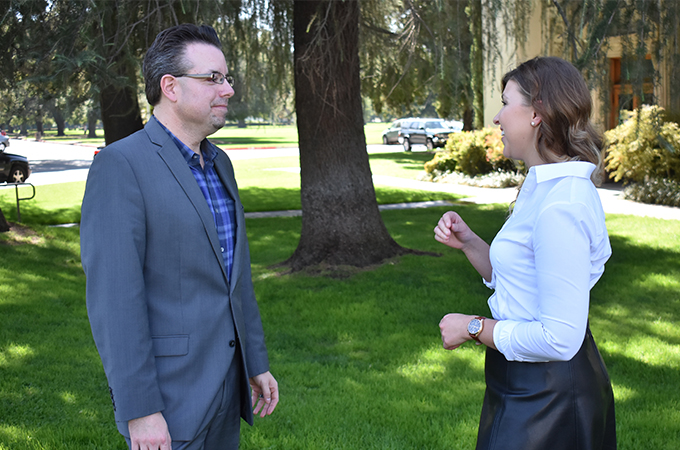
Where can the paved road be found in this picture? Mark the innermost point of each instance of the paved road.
(60, 163)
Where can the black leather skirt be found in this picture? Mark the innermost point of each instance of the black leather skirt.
(558, 405)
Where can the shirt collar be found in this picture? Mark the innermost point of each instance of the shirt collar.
(208, 152)
(547, 172)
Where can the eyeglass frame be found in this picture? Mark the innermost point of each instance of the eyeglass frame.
(209, 76)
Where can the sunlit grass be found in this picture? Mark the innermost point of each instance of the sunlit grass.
(358, 359)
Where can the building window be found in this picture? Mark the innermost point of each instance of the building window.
(622, 95)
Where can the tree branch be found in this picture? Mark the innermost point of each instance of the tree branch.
(572, 37)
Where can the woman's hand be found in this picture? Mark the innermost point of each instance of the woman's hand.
(451, 230)
(454, 332)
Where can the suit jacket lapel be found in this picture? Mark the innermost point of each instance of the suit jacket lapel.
(178, 166)
(226, 173)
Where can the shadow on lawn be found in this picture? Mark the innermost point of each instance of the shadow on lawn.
(52, 388)
(378, 340)
(38, 216)
(407, 160)
(637, 289)
(352, 356)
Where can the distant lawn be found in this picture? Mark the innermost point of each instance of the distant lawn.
(358, 359)
(229, 136)
(264, 185)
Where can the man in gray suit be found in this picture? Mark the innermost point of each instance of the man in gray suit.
(163, 244)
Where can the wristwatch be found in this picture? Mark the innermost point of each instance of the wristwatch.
(475, 327)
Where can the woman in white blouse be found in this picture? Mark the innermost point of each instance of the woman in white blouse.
(547, 386)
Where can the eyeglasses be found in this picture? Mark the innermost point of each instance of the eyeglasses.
(215, 77)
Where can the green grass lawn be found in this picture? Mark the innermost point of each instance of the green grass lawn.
(358, 359)
(265, 185)
(230, 136)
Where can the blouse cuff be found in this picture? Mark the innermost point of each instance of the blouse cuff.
(490, 284)
(501, 338)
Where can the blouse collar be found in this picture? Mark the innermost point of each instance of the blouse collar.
(547, 172)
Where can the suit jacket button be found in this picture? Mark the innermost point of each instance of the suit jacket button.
(232, 343)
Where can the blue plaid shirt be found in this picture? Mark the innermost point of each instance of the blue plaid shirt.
(222, 206)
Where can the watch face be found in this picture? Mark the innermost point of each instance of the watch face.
(475, 326)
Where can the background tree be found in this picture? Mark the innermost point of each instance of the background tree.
(422, 57)
(341, 223)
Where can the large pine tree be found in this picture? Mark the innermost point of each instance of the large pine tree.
(341, 223)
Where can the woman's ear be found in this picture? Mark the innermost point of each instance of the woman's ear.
(535, 120)
(169, 86)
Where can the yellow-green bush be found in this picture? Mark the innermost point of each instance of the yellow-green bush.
(472, 153)
(644, 146)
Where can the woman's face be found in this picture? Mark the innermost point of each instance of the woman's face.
(515, 119)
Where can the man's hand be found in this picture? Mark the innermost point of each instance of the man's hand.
(149, 433)
(265, 393)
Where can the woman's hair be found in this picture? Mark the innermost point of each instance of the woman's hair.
(556, 90)
(166, 55)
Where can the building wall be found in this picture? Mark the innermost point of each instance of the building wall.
(544, 31)
(511, 56)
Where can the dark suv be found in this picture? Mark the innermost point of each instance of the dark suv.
(429, 132)
(13, 168)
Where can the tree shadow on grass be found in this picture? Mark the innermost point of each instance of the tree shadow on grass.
(352, 356)
(52, 390)
(363, 353)
(407, 160)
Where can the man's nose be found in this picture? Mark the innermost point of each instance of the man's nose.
(227, 90)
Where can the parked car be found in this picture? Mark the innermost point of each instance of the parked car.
(13, 168)
(391, 135)
(429, 132)
(4, 140)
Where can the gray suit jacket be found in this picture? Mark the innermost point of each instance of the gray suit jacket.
(166, 319)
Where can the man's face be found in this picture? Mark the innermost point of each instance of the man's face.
(201, 103)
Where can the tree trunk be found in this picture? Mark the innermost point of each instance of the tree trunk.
(341, 223)
(92, 117)
(477, 63)
(120, 113)
(59, 120)
(4, 225)
(39, 131)
(468, 116)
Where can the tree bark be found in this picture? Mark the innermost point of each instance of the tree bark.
(4, 225)
(120, 113)
(341, 223)
(477, 63)
(59, 120)
(92, 117)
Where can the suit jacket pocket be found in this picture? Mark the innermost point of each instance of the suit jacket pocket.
(176, 345)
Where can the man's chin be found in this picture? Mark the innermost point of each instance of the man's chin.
(218, 123)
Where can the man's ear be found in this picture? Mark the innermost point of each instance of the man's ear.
(169, 86)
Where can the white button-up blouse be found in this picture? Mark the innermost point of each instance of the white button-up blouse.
(545, 259)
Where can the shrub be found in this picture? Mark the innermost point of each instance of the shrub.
(442, 162)
(644, 147)
(655, 191)
(472, 153)
(494, 151)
